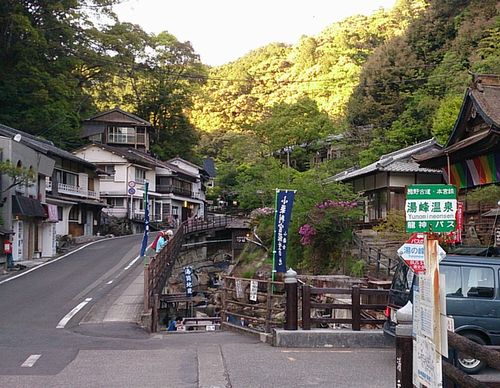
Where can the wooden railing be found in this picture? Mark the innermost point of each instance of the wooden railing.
(156, 273)
(238, 309)
(488, 354)
(357, 308)
(159, 267)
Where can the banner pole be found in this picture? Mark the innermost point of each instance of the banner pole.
(273, 270)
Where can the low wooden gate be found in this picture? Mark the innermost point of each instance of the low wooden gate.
(261, 315)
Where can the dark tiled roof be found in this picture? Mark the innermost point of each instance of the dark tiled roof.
(209, 167)
(397, 161)
(41, 145)
(140, 157)
(133, 118)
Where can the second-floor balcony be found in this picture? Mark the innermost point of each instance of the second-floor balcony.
(63, 188)
(169, 189)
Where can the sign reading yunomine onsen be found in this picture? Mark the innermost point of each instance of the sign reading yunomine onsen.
(431, 208)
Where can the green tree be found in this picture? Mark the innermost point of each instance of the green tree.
(42, 45)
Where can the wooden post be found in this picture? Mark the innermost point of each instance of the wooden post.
(154, 314)
(356, 310)
(291, 300)
(269, 306)
(223, 301)
(146, 288)
(306, 307)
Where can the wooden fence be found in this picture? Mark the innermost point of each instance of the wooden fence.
(260, 315)
(488, 354)
(357, 308)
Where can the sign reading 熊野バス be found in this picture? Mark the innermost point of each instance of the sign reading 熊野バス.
(431, 208)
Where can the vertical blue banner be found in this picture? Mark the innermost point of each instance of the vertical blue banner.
(146, 220)
(282, 215)
(188, 280)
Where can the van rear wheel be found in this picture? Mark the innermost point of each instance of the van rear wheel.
(467, 363)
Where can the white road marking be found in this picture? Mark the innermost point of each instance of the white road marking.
(63, 322)
(55, 260)
(132, 262)
(30, 361)
(109, 282)
(137, 258)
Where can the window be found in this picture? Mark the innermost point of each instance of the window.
(140, 175)
(74, 213)
(121, 135)
(453, 280)
(478, 282)
(66, 178)
(109, 170)
(403, 278)
(115, 202)
(60, 213)
(96, 138)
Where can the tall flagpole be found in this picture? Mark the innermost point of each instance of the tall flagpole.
(273, 271)
(144, 244)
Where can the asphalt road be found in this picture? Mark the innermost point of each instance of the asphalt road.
(35, 309)
(43, 345)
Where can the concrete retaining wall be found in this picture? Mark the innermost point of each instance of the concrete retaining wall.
(328, 338)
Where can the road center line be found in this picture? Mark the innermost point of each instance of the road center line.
(30, 361)
(63, 322)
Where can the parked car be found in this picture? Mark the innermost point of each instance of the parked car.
(472, 285)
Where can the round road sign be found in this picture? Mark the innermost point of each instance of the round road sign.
(131, 184)
(131, 191)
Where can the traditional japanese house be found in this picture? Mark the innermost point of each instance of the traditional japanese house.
(382, 184)
(471, 156)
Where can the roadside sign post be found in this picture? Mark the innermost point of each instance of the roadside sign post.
(429, 209)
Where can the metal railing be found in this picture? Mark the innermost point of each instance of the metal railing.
(64, 188)
(382, 261)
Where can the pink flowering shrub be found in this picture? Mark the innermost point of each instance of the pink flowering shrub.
(307, 232)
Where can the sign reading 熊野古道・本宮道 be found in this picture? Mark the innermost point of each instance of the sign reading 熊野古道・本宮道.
(431, 208)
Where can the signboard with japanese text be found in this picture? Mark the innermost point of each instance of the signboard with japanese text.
(412, 252)
(239, 289)
(188, 280)
(253, 290)
(431, 208)
(283, 213)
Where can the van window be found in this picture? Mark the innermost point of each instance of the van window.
(478, 282)
(403, 278)
(453, 280)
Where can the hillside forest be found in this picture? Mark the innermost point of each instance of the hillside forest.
(371, 84)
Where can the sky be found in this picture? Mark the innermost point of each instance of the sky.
(222, 31)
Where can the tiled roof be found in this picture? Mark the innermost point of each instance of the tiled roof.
(397, 161)
(133, 118)
(42, 145)
(140, 157)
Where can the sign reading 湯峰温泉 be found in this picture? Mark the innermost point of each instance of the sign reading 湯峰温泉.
(431, 208)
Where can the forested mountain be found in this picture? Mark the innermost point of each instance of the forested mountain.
(384, 81)
(400, 72)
